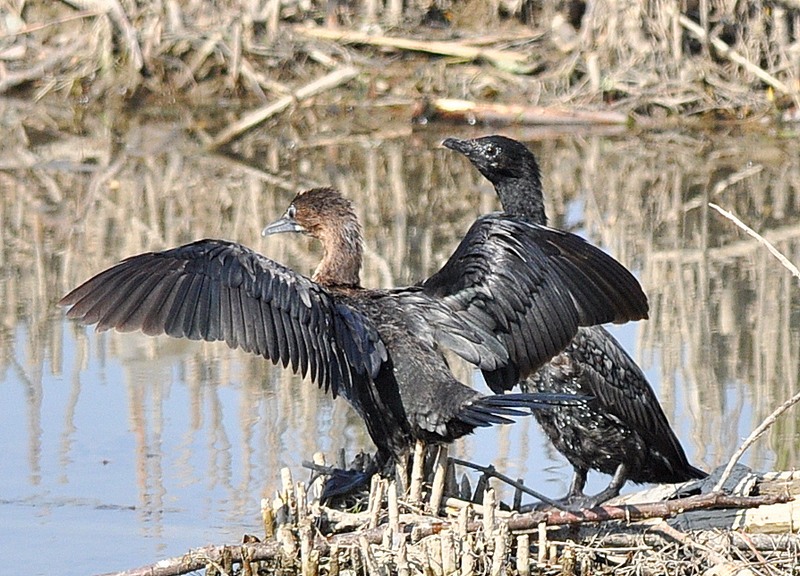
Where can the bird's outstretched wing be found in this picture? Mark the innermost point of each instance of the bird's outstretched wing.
(532, 287)
(217, 290)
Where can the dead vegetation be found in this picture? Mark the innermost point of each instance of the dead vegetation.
(645, 61)
(746, 533)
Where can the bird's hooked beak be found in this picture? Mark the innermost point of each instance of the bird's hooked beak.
(463, 146)
(284, 224)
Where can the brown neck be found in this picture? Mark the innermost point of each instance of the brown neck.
(341, 262)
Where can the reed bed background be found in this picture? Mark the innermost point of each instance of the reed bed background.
(650, 60)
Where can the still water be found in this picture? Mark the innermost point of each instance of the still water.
(119, 449)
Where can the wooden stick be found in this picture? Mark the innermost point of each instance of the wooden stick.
(515, 62)
(754, 435)
(256, 117)
(516, 484)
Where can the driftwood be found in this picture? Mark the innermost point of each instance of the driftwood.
(469, 112)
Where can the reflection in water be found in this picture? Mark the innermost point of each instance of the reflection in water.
(194, 433)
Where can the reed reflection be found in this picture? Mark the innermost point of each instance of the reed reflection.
(724, 334)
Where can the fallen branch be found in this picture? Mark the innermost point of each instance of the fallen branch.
(515, 62)
(251, 119)
(632, 513)
(469, 112)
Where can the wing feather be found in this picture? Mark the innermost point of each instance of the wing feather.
(532, 287)
(217, 290)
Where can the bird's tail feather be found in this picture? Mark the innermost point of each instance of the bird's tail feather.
(497, 409)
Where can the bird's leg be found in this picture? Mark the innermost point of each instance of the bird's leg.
(577, 485)
(617, 482)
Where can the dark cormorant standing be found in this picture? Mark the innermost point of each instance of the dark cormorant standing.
(527, 289)
(623, 431)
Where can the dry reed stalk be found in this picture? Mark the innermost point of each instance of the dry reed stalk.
(734, 56)
(515, 62)
(417, 473)
(439, 476)
(765, 425)
(255, 117)
(766, 243)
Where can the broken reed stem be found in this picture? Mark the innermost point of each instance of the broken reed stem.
(754, 435)
(523, 555)
(732, 55)
(417, 473)
(489, 503)
(256, 117)
(516, 62)
(375, 500)
(774, 251)
(439, 477)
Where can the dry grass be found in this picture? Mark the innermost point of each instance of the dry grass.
(651, 60)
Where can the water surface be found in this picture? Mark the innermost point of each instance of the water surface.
(120, 449)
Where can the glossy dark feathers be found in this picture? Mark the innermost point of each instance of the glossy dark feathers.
(532, 287)
(217, 290)
(623, 430)
(521, 290)
(623, 423)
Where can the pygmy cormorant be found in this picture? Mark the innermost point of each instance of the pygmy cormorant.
(622, 431)
(522, 292)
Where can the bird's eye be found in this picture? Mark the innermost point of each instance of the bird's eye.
(291, 211)
(492, 152)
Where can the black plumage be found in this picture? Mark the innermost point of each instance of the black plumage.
(380, 349)
(623, 430)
